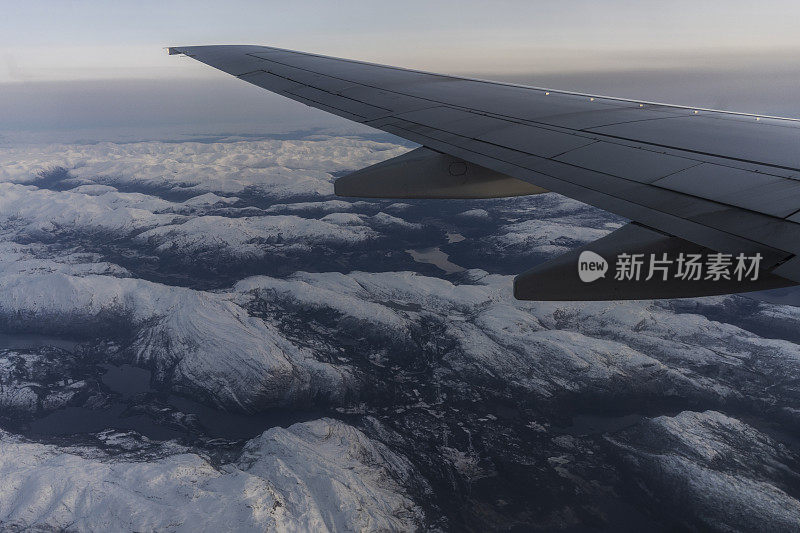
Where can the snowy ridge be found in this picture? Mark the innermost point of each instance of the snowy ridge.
(545, 237)
(201, 343)
(321, 475)
(711, 463)
(252, 237)
(28, 212)
(24, 209)
(545, 348)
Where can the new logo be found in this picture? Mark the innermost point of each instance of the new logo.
(591, 266)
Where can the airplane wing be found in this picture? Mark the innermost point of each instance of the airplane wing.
(694, 182)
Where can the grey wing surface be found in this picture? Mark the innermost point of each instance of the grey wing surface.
(689, 179)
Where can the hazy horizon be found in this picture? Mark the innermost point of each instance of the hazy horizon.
(88, 70)
(158, 109)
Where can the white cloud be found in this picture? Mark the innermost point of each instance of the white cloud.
(281, 169)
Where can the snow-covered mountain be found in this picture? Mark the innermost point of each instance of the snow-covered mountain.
(720, 469)
(322, 475)
(200, 334)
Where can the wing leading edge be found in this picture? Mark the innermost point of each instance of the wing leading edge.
(718, 182)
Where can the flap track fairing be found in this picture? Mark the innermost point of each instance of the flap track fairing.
(425, 173)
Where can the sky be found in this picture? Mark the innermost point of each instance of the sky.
(74, 64)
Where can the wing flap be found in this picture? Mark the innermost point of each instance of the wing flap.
(755, 191)
(736, 137)
(629, 162)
